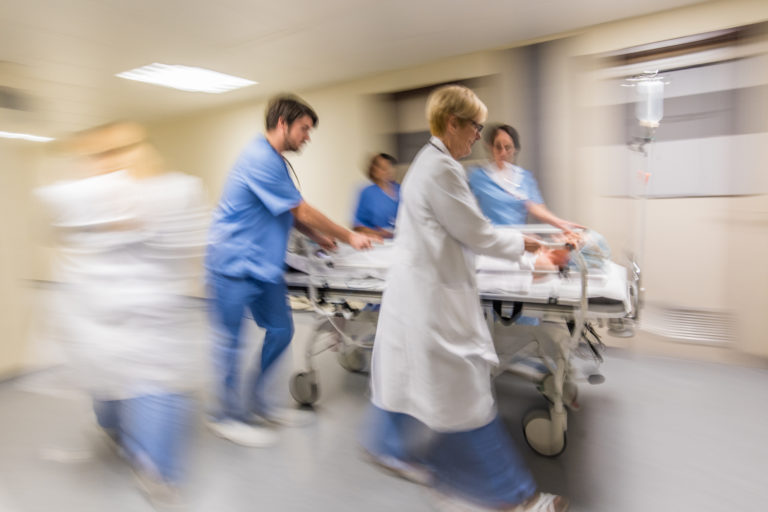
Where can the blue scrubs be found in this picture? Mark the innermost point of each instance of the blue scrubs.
(244, 262)
(153, 430)
(376, 209)
(504, 205)
(480, 465)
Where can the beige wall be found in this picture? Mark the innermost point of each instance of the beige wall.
(18, 253)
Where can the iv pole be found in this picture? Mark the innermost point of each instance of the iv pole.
(649, 110)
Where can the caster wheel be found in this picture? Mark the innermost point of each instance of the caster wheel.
(304, 388)
(353, 359)
(596, 378)
(537, 427)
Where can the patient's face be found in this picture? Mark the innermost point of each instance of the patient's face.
(560, 257)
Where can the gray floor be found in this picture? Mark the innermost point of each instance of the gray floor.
(658, 435)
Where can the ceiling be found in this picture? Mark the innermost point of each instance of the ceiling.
(58, 58)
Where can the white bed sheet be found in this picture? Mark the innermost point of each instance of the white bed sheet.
(366, 270)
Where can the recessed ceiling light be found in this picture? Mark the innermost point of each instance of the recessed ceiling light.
(186, 78)
(25, 136)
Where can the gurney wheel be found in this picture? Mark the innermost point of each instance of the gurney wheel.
(541, 436)
(353, 359)
(304, 388)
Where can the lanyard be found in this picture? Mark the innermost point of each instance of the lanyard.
(513, 186)
(292, 170)
(436, 147)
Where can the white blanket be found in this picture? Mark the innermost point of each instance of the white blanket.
(366, 270)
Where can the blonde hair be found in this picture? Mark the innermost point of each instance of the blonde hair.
(105, 138)
(454, 100)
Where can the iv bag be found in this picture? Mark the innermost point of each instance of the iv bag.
(649, 108)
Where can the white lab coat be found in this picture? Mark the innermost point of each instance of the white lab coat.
(433, 352)
(129, 257)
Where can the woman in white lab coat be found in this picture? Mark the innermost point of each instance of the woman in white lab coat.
(434, 418)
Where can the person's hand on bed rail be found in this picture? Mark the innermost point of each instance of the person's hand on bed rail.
(360, 241)
(326, 242)
(574, 239)
(569, 240)
(570, 228)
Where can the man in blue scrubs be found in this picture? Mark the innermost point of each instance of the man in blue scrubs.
(245, 261)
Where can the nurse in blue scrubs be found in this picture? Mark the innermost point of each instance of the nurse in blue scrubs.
(507, 193)
(377, 206)
(245, 261)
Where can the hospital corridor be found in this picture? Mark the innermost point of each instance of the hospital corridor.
(373, 256)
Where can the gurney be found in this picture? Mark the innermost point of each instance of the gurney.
(538, 320)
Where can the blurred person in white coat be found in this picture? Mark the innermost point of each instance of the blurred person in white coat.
(130, 239)
(434, 418)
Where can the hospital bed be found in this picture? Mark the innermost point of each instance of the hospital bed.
(559, 311)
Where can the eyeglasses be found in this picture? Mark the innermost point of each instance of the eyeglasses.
(478, 126)
(503, 147)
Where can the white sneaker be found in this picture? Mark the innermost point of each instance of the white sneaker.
(445, 503)
(252, 436)
(541, 502)
(288, 417)
(411, 472)
(162, 495)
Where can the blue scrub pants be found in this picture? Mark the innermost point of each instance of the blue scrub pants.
(479, 465)
(268, 303)
(154, 431)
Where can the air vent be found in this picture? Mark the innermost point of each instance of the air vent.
(13, 99)
(706, 327)
(14, 94)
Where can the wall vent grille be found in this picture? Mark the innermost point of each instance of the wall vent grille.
(708, 327)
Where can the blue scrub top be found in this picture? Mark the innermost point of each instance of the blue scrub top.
(375, 209)
(501, 206)
(251, 224)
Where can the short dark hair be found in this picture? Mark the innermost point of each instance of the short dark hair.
(290, 108)
(375, 157)
(493, 131)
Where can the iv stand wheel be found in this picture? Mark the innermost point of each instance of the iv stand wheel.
(304, 388)
(542, 435)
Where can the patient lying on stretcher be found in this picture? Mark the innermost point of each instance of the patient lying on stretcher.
(556, 255)
(590, 244)
(308, 258)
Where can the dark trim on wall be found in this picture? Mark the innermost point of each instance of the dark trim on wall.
(684, 45)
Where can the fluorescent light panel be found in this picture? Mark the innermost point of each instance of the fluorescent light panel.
(186, 78)
(25, 136)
